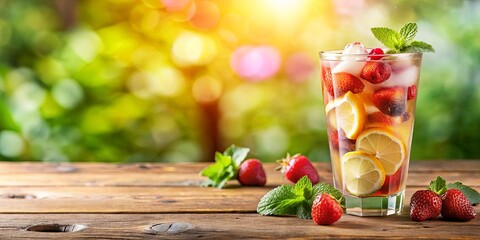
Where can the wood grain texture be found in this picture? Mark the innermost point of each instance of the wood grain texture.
(121, 201)
(158, 175)
(234, 226)
(135, 199)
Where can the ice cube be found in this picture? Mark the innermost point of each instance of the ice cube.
(353, 67)
(356, 64)
(355, 48)
(405, 78)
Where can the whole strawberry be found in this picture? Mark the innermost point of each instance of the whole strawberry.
(251, 173)
(424, 205)
(326, 210)
(298, 166)
(455, 206)
(376, 54)
(391, 101)
(376, 72)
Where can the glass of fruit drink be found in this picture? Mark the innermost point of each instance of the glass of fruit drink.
(369, 100)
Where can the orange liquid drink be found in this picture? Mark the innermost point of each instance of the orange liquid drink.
(369, 104)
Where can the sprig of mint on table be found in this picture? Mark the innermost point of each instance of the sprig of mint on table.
(440, 186)
(403, 41)
(225, 167)
(296, 200)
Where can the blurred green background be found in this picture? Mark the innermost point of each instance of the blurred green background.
(177, 80)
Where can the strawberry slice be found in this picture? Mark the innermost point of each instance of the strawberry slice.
(411, 92)
(346, 82)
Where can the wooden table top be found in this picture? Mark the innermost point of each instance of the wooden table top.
(137, 201)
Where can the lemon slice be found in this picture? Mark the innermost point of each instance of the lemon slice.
(385, 146)
(349, 113)
(363, 174)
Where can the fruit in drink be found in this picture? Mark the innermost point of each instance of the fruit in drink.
(363, 173)
(392, 183)
(343, 82)
(391, 101)
(350, 114)
(376, 72)
(375, 53)
(385, 146)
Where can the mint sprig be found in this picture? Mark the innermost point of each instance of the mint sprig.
(402, 41)
(225, 167)
(440, 186)
(295, 200)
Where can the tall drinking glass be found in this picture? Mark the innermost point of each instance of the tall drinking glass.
(370, 110)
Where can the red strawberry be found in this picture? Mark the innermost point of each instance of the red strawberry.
(391, 101)
(344, 82)
(327, 79)
(424, 205)
(392, 183)
(251, 173)
(338, 140)
(333, 137)
(411, 92)
(326, 210)
(379, 117)
(376, 72)
(376, 51)
(455, 206)
(405, 117)
(298, 166)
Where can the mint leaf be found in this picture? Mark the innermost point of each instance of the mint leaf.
(387, 36)
(238, 154)
(322, 187)
(289, 200)
(438, 186)
(225, 167)
(281, 200)
(408, 31)
(403, 41)
(295, 200)
(303, 188)
(472, 194)
(419, 46)
(304, 210)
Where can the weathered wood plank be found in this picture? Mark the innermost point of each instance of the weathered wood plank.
(151, 179)
(34, 174)
(228, 226)
(40, 167)
(135, 199)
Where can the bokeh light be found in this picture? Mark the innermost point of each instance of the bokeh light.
(11, 144)
(191, 49)
(177, 80)
(299, 67)
(206, 15)
(207, 89)
(255, 63)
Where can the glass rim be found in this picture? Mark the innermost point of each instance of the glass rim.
(337, 55)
